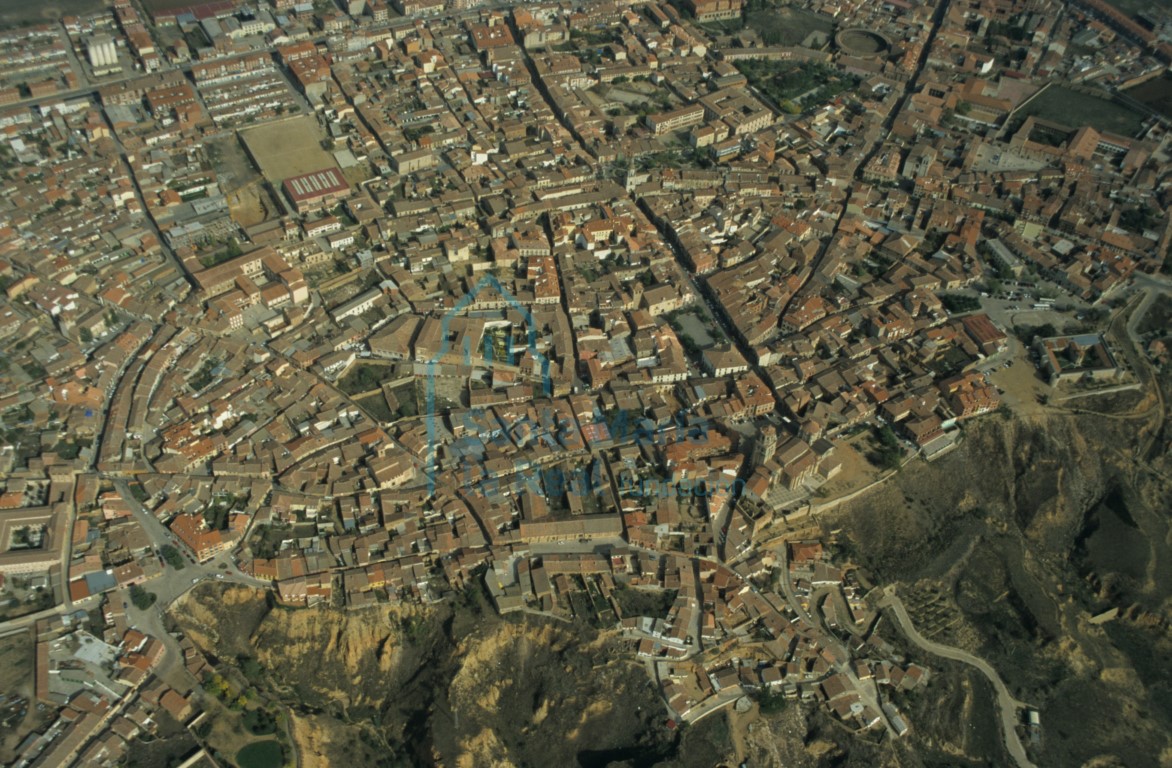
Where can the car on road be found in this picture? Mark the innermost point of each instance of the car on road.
(219, 575)
(195, 581)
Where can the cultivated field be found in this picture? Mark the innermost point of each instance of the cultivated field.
(287, 148)
(248, 200)
(16, 665)
(231, 163)
(166, 5)
(1157, 94)
(1158, 318)
(1074, 109)
(1133, 7)
(16, 13)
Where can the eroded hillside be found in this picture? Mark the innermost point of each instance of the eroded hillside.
(1011, 545)
(441, 685)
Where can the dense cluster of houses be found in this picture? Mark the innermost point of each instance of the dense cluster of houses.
(558, 302)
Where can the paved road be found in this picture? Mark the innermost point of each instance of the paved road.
(170, 586)
(1129, 345)
(78, 69)
(712, 704)
(173, 582)
(1008, 704)
(579, 547)
(1152, 288)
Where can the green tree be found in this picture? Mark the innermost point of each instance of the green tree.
(771, 703)
(173, 557)
(141, 598)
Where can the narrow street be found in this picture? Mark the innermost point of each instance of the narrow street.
(174, 583)
(867, 694)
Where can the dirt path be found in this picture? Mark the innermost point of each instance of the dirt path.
(738, 728)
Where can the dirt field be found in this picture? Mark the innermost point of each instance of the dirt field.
(856, 470)
(231, 163)
(356, 174)
(287, 148)
(16, 665)
(788, 26)
(16, 679)
(251, 205)
(1023, 388)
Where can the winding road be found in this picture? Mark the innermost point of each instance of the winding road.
(1008, 704)
(869, 695)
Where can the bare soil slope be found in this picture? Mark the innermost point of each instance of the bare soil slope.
(1009, 546)
(450, 685)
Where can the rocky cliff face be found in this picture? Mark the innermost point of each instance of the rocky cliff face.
(445, 685)
(332, 655)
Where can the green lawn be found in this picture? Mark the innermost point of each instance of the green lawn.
(376, 406)
(1156, 94)
(19, 13)
(364, 377)
(787, 26)
(1133, 7)
(786, 81)
(260, 754)
(1074, 110)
